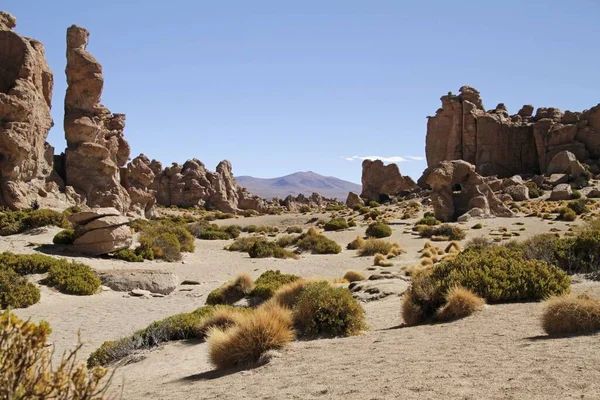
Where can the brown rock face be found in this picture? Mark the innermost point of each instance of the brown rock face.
(191, 185)
(381, 181)
(504, 145)
(26, 83)
(100, 231)
(138, 178)
(96, 148)
(456, 189)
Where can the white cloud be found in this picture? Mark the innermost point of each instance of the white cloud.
(392, 159)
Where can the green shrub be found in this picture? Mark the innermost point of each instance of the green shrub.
(128, 255)
(232, 291)
(335, 207)
(287, 240)
(73, 278)
(13, 222)
(167, 247)
(264, 249)
(373, 214)
(567, 214)
(498, 274)
(176, 327)
(66, 236)
(214, 235)
(375, 246)
(317, 244)
(145, 253)
(244, 244)
(232, 230)
(446, 230)
(576, 194)
(429, 220)
(379, 230)
(478, 225)
(580, 253)
(268, 283)
(26, 264)
(374, 204)
(578, 206)
(534, 191)
(150, 234)
(322, 309)
(16, 291)
(336, 224)
(294, 229)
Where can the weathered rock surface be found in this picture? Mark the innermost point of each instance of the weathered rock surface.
(127, 280)
(100, 231)
(561, 192)
(457, 188)
(369, 290)
(354, 200)
(26, 83)
(501, 144)
(518, 192)
(565, 162)
(380, 182)
(138, 179)
(96, 147)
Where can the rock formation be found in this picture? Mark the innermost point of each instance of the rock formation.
(379, 181)
(100, 231)
(138, 176)
(501, 144)
(189, 185)
(353, 200)
(96, 148)
(26, 83)
(457, 191)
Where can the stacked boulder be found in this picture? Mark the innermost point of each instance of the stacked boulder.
(100, 231)
(380, 182)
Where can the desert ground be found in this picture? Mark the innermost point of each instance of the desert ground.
(499, 353)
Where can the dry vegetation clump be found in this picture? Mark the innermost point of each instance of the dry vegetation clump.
(322, 309)
(316, 243)
(222, 318)
(379, 230)
(571, 315)
(356, 244)
(460, 303)
(381, 261)
(453, 247)
(353, 276)
(294, 229)
(26, 370)
(269, 282)
(286, 295)
(267, 328)
(497, 274)
(336, 224)
(166, 239)
(13, 222)
(243, 244)
(231, 292)
(264, 249)
(441, 231)
(374, 246)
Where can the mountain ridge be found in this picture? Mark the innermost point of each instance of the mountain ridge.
(305, 182)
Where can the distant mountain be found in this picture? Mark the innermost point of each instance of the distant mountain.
(299, 182)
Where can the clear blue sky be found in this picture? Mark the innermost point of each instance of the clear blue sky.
(279, 86)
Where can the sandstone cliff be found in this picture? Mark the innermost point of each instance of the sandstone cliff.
(498, 143)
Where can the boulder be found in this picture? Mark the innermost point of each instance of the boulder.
(512, 181)
(103, 241)
(518, 192)
(556, 179)
(565, 162)
(127, 280)
(390, 285)
(354, 200)
(561, 192)
(84, 217)
(380, 182)
(457, 188)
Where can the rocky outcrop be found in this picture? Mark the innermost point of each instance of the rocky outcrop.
(314, 201)
(565, 162)
(562, 191)
(26, 82)
(353, 200)
(458, 190)
(126, 280)
(380, 182)
(96, 147)
(100, 231)
(138, 177)
(498, 143)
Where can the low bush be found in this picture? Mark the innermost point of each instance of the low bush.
(13, 222)
(73, 278)
(317, 243)
(429, 220)
(167, 240)
(232, 291)
(214, 235)
(382, 261)
(374, 246)
(534, 190)
(497, 274)
(356, 243)
(294, 229)
(336, 224)
(478, 225)
(374, 204)
(16, 291)
(128, 255)
(567, 214)
(166, 246)
(66, 236)
(260, 229)
(353, 276)
(571, 315)
(244, 244)
(287, 294)
(27, 371)
(286, 240)
(222, 318)
(264, 249)
(269, 282)
(579, 206)
(205, 231)
(444, 230)
(175, 327)
(460, 303)
(267, 328)
(379, 230)
(322, 309)
(576, 194)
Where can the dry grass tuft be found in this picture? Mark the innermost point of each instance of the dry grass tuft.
(353, 276)
(267, 328)
(222, 318)
(426, 254)
(356, 244)
(412, 312)
(571, 314)
(381, 261)
(453, 247)
(460, 303)
(286, 295)
(232, 291)
(426, 261)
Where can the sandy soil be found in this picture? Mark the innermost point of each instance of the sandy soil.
(499, 353)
